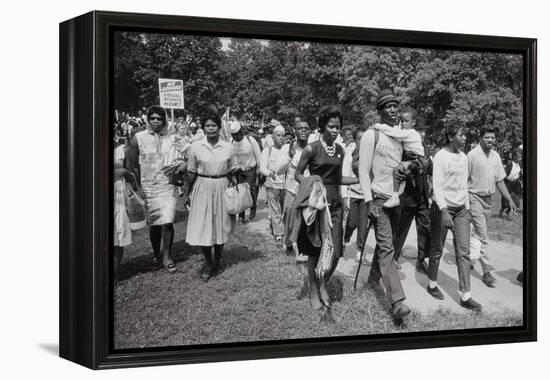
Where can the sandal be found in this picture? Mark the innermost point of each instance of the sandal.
(171, 268)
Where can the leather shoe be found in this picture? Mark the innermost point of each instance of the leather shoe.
(435, 293)
(489, 280)
(399, 310)
(421, 266)
(519, 278)
(471, 304)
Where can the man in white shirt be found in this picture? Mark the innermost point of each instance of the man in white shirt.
(378, 158)
(486, 175)
(245, 156)
(294, 149)
(273, 164)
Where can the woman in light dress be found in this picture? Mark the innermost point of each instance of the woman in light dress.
(148, 154)
(122, 233)
(209, 225)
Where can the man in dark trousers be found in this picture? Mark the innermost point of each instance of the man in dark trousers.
(377, 158)
(415, 201)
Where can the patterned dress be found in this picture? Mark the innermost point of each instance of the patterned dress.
(122, 233)
(159, 194)
(209, 223)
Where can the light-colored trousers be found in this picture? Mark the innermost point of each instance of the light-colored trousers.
(480, 211)
(275, 200)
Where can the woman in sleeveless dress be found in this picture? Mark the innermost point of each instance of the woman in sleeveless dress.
(324, 158)
(148, 152)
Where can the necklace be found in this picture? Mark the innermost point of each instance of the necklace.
(331, 150)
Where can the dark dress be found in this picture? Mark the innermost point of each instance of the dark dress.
(330, 170)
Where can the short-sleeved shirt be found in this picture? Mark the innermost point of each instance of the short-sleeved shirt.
(242, 154)
(484, 171)
(209, 160)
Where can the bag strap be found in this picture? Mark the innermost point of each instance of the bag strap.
(376, 139)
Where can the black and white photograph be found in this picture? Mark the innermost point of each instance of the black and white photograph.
(277, 190)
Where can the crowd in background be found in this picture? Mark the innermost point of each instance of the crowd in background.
(324, 180)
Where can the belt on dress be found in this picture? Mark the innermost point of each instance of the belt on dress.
(212, 176)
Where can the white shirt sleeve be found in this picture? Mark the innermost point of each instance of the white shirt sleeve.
(366, 155)
(439, 179)
(263, 162)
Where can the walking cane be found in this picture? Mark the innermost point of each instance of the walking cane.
(369, 224)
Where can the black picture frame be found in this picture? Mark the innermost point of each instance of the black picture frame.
(85, 189)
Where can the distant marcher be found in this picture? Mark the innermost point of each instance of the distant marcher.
(246, 157)
(377, 159)
(209, 225)
(415, 199)
(357, 218)
(147, 153)
(348, 143)
(267, 139)
(197, 133)
(450, 211)
(295, 150)
(486, 174)
(323, 158)
(273, 165)
(122, 233)
(514, 183)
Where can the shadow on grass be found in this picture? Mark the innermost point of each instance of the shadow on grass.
(511, 275)
(181, 251)
(236, 254)
(335, 288)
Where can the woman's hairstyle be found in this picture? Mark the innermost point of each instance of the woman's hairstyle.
(159, 111)
(211, 116)
(487, 128)
(451, 131)
(326, 114)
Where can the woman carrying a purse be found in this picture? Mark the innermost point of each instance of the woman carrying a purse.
(324, 158)
(209, 225)
(148, 151)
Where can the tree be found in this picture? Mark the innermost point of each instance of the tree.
(194, 59)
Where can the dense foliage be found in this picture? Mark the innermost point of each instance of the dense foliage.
(260, 80)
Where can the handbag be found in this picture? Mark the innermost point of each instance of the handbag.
(177, 178)
(237, 198)
(326, 257)
(137, 212)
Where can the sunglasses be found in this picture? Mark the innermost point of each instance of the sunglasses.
(156, 118)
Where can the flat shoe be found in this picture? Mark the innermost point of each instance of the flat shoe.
(171, 268)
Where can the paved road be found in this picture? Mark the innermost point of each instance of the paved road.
(507, 295)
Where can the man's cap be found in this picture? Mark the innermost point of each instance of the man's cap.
(275, 123)
(384, 97)
(234, 127)
(279, 128)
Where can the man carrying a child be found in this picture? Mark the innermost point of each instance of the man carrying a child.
(414, 201)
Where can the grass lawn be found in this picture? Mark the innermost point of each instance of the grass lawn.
(260, 295)
(508, 228)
